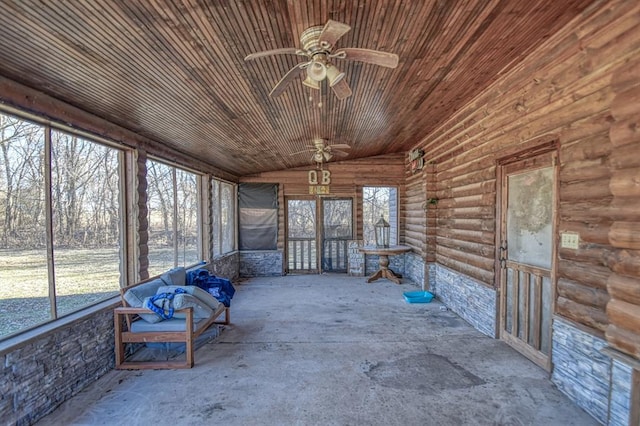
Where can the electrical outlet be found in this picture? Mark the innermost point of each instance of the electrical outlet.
(570, 240)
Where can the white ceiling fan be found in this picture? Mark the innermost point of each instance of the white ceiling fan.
(318, 44)
(323, 152)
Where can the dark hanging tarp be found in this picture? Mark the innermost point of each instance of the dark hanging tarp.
(258, 211)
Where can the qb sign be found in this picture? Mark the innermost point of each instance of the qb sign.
(324, 178)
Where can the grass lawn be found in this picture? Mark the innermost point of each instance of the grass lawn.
(83, 277)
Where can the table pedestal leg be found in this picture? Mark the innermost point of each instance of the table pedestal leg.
(384, 271)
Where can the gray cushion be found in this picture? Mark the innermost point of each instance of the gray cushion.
(173, 324)
(175, 276)
(137, 295)
(200, 309)
(204, 296)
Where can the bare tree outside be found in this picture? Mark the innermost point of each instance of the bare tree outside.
(377, 202)
(223, 217)
(227, 217)
(172, 197)
(301, 221)
(85, 218)
(301, 235)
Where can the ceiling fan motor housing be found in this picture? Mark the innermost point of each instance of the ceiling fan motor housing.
(309, 40)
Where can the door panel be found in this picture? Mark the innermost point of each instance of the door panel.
(302, 254)
(526, 256)
(337, 230)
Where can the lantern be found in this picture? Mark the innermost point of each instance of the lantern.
(382, 233)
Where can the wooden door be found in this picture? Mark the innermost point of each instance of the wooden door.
(526, 253)
(302, 252)
(337, 230)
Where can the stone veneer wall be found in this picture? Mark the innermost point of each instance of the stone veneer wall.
(414, 269)
(40, 374)
(261, 263)
(593, 380)
(355, 259)
(226, 266)
(474, 302)
(431, 278)
(620, 399)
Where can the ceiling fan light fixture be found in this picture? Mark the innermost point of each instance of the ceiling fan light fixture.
(334, 75)
(311, 83)
(317, 71)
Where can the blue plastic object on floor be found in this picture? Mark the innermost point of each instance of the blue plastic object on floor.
(418, 296)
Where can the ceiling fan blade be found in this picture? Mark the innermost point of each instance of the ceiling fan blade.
(303, 151)
(332, 32)
(376, 57)
(339, 153)
(341, 89)
(287, 79)
(341, 145)
(283, 51)
(327, 155)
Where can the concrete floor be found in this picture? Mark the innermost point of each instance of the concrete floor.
(333, 350)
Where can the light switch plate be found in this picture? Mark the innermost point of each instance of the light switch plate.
(570, 240)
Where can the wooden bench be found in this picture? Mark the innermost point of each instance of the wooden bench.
(126, 315)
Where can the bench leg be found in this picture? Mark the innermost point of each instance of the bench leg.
(117, 326)
(189, 339)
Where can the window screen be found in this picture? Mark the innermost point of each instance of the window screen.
(258, 208)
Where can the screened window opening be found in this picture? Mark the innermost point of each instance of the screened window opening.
(379, 201)
(174, 222)
(59, 242)
(223, 217)
(258, 205)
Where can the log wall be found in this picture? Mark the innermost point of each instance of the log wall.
(414, 206)
(623, 284)
(581, 89)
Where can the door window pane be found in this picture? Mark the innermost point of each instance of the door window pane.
(529, 217)
(337, 231)
(301, 235)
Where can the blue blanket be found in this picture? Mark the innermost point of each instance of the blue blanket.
(220, 288)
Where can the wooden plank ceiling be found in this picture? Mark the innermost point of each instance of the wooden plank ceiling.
(173, 70)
